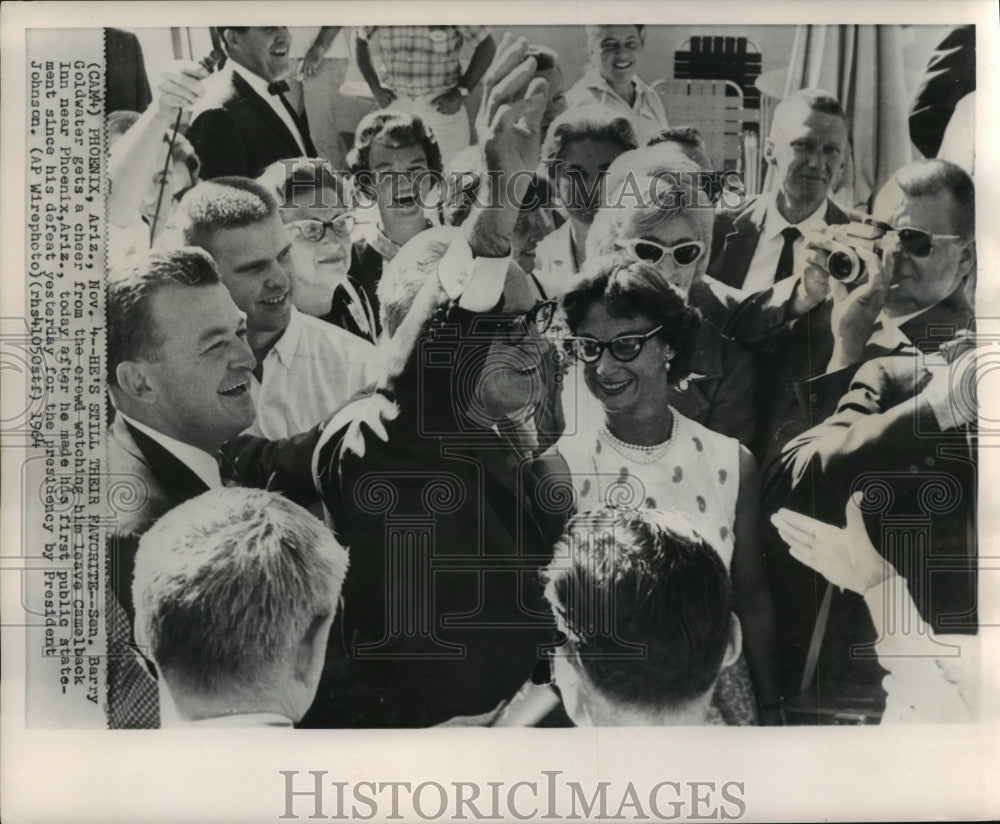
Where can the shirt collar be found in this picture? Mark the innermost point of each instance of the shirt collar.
(285, 347)
(775, 223)
(594, 80)
(257, 83)
(197, 460)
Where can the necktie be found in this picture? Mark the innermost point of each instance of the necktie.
(279, 87)
(786, 261)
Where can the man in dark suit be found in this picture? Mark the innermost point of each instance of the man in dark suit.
(246, 122)
(871, 341)
(756, 245)
(179, 369)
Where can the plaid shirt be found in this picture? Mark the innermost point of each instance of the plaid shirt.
(420, 60)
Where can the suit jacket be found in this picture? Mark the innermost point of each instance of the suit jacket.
(735, 236)
(793, 391)
(126, 87)
(920, 510)
(242, 135)
(149, 481)
(448, 523)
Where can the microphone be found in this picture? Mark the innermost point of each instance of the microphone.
(208, 63)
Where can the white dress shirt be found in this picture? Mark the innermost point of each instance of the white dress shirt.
(764, 264)
(197, 460)
(259, 85)
(309, 373)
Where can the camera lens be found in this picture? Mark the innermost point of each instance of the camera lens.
(843, 266)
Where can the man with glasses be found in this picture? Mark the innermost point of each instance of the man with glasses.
(881, 409)
(306, 368)
(434, 481)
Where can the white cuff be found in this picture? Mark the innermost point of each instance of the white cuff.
(476, 283)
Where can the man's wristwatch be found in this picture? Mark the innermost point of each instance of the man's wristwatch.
(462, 90)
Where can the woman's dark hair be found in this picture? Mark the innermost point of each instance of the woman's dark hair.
(396, 130)
(630, 290)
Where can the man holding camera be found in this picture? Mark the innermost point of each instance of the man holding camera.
(885, 417)
(757, 245)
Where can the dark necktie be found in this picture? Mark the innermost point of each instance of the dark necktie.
(279, 87)
(786, 261)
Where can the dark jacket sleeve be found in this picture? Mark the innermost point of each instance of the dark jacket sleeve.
(219, 143)
(283, 466)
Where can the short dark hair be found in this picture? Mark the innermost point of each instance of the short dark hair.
(645, 602)
(629, 289)
(132, 332)
(932, 177)
(288, 179)
(221, 203)
(400, 129)
(592, 122)
(683, 135)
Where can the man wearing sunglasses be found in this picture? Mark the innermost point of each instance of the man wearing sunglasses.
(306, 368)
(874, 411)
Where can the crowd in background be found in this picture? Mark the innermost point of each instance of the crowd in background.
(529, 415)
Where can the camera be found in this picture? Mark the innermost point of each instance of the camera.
(842, 242)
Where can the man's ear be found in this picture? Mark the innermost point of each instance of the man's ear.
(231, 38)
(310, 655)
(967, 258)
(734, 643)
(132, 381)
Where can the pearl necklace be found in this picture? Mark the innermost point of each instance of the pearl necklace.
(640, 453)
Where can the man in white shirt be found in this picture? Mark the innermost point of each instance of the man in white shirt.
(245, 122)
(231, 661)
(306, 368)
(758, 244)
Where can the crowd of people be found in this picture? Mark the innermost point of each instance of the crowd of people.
(527, 415)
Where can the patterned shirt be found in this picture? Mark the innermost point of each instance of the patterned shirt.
(417, 61)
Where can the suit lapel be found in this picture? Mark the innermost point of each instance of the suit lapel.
(942, 321)
(740, 244)
(268, 115)
(178, 482)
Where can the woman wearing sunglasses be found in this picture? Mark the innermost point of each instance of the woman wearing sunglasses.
(634, 336)
(315, 209)
(671, 231)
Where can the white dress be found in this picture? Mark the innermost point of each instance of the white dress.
(695, 472)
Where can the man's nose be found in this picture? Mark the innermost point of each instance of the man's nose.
(243, 357)
(280, 274)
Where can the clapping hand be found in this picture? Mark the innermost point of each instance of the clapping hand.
(845, 557)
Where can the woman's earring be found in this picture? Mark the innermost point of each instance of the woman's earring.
(666, 364)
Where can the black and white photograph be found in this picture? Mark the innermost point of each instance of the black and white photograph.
(477, 412)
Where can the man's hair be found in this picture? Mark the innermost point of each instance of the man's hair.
(132, 331)
(221, 203)
(592, 122)
(407, 272)
(297, 181)
(394, 129)
(923, 178)
(594, 31)
(630, 290)
(646, 603)
(819, 100)
(682, 135)
(228, 583)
